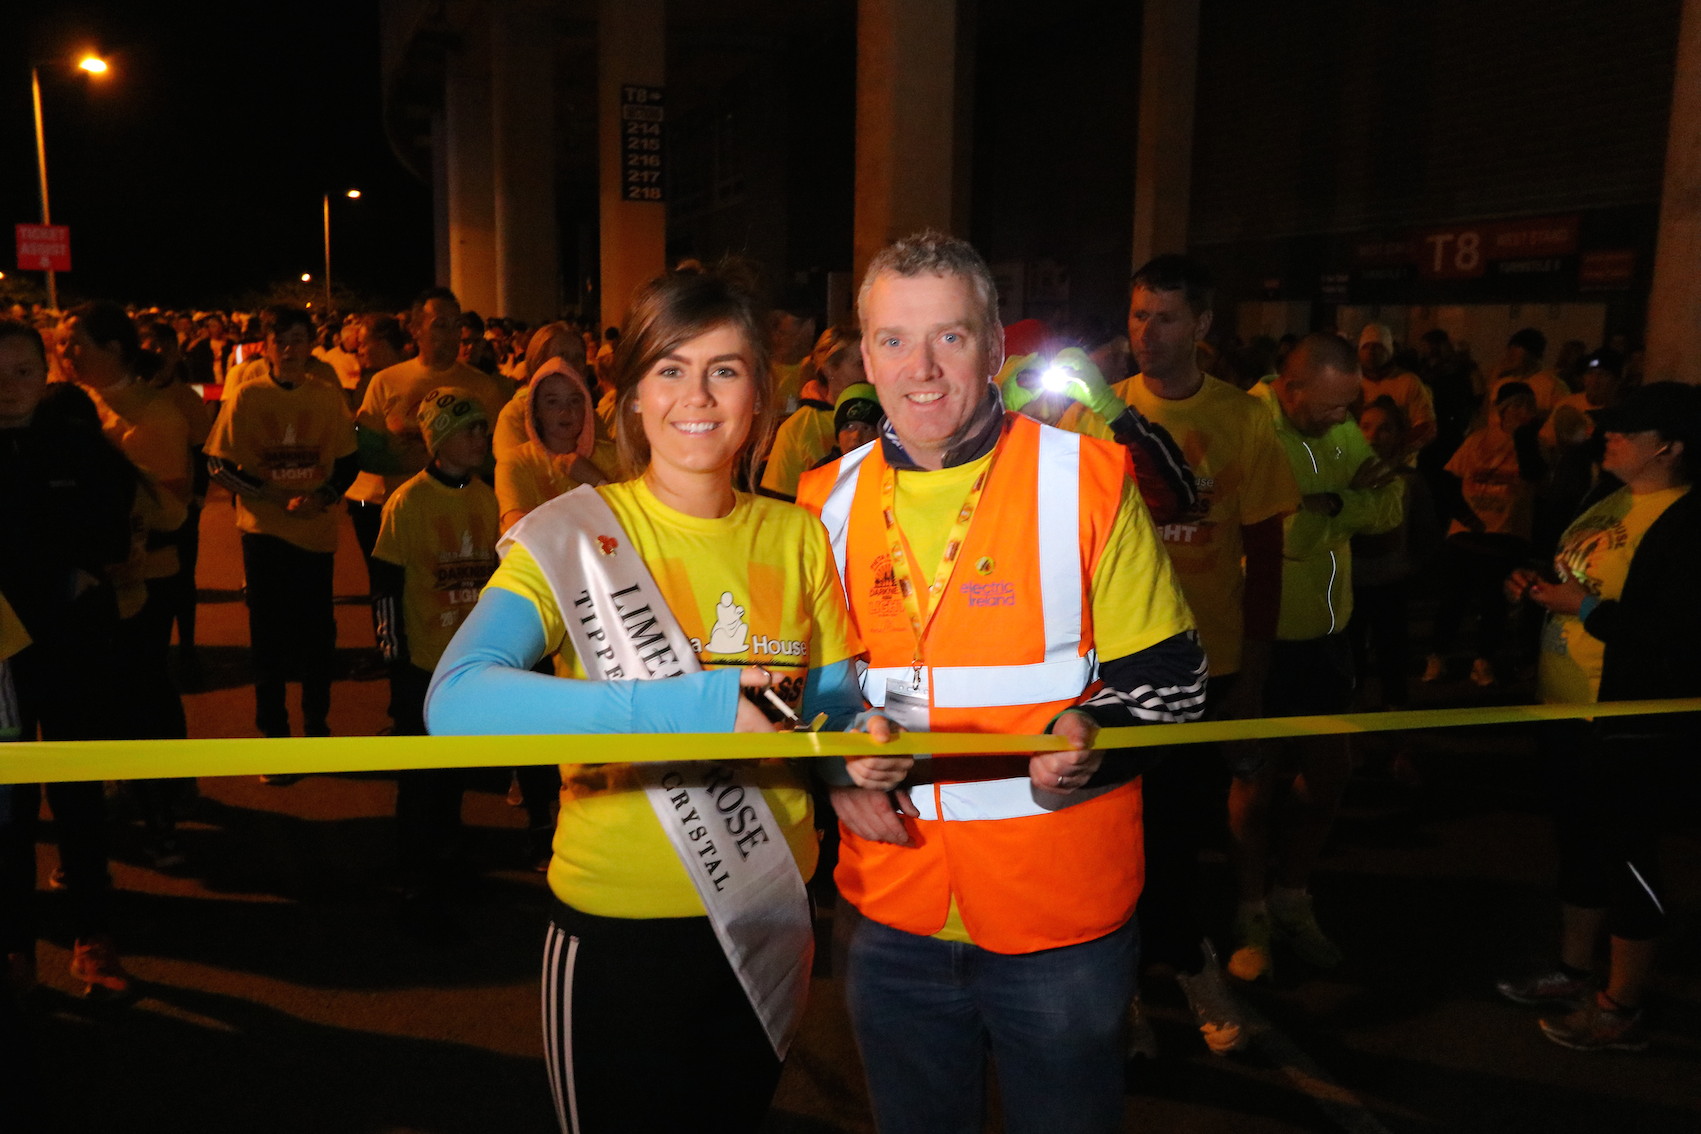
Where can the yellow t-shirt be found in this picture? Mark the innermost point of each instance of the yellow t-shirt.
(799, 444)
(1243, 478)
(197, 415)
(1596, 551)
(259, 369)
(393, 398)
(143, 423)
(289, 439)
(149, 428)
(756, 586)
(13, 636)
(528, 475)
(444, 540)
(1487, 467)
(1407, 391)
(13, 639)
(1545, 385)
(1570, 414)
(788, 383)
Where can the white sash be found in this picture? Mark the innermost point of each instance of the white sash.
(720, 826)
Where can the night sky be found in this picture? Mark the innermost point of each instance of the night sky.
(191, 173)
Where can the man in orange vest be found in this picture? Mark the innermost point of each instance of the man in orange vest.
(1004, 576)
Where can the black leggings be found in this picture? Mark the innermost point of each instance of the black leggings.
(1611, 799)
(1473, 569)
(292, 630)
(646, 1027)
(1184, 801)
(1381, 636)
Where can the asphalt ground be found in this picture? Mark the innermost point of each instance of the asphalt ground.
(281, 987)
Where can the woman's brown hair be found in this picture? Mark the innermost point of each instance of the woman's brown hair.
(674, 309)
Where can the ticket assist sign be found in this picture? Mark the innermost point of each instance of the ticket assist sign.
(44, 248)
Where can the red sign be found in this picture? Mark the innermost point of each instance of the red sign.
(1464, 251)
(44, 248)
(1609, 269)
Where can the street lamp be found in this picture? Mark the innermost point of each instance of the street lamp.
(91, 64)
(353, 195)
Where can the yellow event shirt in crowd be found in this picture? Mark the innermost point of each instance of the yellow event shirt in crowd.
(1125, 619)
(528, 475)
(756, 586)
(1596, 551)
(1405, 390)
(150, 430)
(13, 636)
(1487, 467)
(260, 368)
(392, 399)
(1243, 478)
(799, 444)
(1545, 385)
(289, 439)
(444, 540)
(148, 427)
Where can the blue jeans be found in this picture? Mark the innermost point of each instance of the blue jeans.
(925, 1012)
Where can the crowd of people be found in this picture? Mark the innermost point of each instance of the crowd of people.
(714, 519)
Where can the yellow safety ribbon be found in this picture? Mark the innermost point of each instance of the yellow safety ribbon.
(64, 761)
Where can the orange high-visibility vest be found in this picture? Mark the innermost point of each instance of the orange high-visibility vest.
(1010, 648)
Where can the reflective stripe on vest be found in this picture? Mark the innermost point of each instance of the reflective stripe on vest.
(991, 686)
(835, 513)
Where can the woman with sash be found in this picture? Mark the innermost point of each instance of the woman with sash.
(679, 948)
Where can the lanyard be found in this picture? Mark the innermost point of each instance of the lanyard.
(947, 562)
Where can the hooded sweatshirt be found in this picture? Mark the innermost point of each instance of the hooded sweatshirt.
(531, 473)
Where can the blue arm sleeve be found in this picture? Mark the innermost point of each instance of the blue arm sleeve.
(484, 685)
(833, 690)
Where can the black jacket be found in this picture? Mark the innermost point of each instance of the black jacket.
(1652, 631)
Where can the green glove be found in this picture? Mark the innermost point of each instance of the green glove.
(1086, 385)
(1015, 394)
(377, 454)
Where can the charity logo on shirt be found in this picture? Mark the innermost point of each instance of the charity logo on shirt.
(729, 633)
(290, 460)
(461, 571)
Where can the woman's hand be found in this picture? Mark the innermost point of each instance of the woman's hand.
(750, 718)
(1518, 584)
(1561, 598)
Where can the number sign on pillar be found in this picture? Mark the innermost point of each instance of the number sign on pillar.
(641, 143)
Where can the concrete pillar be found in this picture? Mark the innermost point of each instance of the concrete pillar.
(1674, 306)
(468, 167)
(631, 47)
(1163, 155)
(913, 129)
(442, 244)
(522, 133)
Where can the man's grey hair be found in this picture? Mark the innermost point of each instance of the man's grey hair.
(934, 253)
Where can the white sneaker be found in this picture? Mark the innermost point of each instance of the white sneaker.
(1142, 1041)
(1214, 1006)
